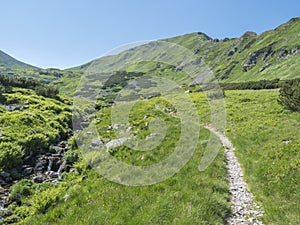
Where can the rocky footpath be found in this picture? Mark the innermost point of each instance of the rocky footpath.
(244, 209)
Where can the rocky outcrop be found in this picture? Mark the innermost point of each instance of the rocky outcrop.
(284, 52)
(41, 168)
(262, 54)
(265, 53)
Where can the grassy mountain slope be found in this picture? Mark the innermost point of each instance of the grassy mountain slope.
(264, 134)
(10, 62)
(251, 57)
(272, 54)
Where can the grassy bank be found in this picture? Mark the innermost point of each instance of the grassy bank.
(266, 139)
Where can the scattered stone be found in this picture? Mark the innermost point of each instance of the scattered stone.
(296, 50)
(73, 170)
(24, 107)
(244, 209)
(264, 67)
(2, 136)
(129, 128)
(12, 108)
(116, 126)
(57, 149)
(52, 174)
(45, 167)
(55, 163)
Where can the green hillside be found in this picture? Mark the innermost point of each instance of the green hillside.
(6, 61)
(51, 142)
(268, 156)
(251, 57)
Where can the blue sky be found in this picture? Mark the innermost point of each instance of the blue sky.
(66, 33)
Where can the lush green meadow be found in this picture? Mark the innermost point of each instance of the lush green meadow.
(189, 197)
(267, 142)
(266, 139)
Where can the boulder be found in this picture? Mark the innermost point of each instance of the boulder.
(41, 166)
(96, 144)
(28, 171)
(116, 143)
(38, 179)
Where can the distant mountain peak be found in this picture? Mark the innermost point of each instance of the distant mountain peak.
(204, 35)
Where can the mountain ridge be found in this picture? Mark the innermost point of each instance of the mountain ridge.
(273, 54)
(10, 62)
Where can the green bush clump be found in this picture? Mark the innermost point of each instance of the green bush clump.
(35, 143)
(41, 201)
(71, 157)
(10, 155)
(252, 85)
(289, 95)
(2, 89)
(21, 190)
(23, 82)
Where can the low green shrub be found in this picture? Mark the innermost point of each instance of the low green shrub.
(10, 155)
(289, 95)
(35, 143)
(21, 190)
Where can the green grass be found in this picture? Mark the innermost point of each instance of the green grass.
(259, 129)
(265, 136)
(38, 115)
(188, 197)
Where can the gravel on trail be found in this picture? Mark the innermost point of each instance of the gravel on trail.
(244, 209)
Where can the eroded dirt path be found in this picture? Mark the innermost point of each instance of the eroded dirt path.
(244, 209)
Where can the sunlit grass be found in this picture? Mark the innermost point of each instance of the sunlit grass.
(266, 139)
